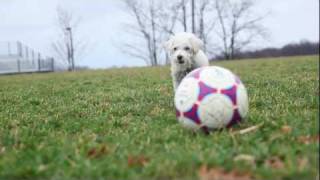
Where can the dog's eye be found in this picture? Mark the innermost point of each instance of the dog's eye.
(187, 48)
(175, 48)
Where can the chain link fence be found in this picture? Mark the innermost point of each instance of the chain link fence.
(16, 57)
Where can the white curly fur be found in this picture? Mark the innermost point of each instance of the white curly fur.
(188, 47)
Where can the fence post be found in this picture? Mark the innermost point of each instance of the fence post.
(9, 49)
(32, 57)
(19, 48)
(39, 62)
(27, 53)
(52, 64)
(19, 65)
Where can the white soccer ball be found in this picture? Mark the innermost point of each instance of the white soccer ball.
(210, 98)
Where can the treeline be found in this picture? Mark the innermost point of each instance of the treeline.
(225, 26)
(292, 49)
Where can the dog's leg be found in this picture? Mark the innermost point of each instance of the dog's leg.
(177, 78)
(175, 82)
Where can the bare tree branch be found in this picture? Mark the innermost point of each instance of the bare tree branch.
(231, 22)
(63, 48)
(236, 22)
(154, 21)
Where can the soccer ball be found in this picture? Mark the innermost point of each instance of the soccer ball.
(210, 98)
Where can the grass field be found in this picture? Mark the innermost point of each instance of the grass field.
(120, 124)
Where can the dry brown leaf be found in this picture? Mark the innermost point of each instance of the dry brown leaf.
(308, 139)
(92, 152)
(302, 163)
(156, 111)
(249, 129)
(2, 150)
(42, 168)
(97, 152)
(137, 161)
(245, 157)
(165, 90)
(274, 163)
(220, 174)
(286, 129)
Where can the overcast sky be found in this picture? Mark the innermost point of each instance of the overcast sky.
(33, 22)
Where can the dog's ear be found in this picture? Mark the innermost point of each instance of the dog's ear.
(168, 44)
(196, 43)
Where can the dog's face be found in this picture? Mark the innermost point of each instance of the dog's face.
(181, 49)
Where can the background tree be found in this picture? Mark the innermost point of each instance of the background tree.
(68, 47)
(144, 29)
(193, 18)
(238, 25)
(154, 22)
(184, 15)
(206, 23)
(293, 49)
(224, 26)
(200, 20)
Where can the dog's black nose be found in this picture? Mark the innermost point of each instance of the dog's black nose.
(180, 61)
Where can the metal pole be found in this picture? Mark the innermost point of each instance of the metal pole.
(71, 48)
(69, 56)
(27, 53)
(9, 49)
(193, 18)
(19, 49)
(33, 57)
(18, 65)
(52, 64)
(39, 62)
(184, 15)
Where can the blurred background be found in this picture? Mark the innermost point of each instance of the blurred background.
(56, 35)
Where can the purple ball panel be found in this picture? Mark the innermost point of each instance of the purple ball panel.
(193, 114)
(205, 90)
(178, 114)
(235, 119)
(231, 93)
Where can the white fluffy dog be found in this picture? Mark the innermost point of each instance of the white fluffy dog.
(185, 54)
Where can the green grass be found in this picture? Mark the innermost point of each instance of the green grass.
(93, 124)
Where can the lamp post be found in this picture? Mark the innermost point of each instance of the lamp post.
(71, 47)
(193, 16)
